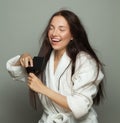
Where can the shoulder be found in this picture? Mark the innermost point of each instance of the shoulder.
(84, 58)
(83, 55)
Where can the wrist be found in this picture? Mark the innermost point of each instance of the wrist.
(44, 90)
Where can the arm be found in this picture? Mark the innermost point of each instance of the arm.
(16, 66)
(85, 86)
(35, 84)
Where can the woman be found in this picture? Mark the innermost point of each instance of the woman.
(71, 78)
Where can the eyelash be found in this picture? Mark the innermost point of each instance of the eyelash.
(62, 30)
(51, 28)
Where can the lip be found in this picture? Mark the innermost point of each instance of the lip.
(55, 40)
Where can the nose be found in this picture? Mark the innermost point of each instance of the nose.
(55, 32)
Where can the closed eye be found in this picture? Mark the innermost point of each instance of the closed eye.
(51, 27)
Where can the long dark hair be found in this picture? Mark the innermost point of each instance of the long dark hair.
(79, 43)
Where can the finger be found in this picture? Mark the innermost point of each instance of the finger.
(29, 78)
(29, 83)
(32, 75)
(31, 62)
(28, 61)
(22, 62)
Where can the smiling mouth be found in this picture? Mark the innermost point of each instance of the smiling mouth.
(55, 40)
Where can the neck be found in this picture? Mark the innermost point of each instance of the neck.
(58, 54)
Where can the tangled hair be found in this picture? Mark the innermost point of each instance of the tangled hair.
(79, 43)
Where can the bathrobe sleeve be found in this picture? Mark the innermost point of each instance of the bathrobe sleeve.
(84, 88)
(16, 72)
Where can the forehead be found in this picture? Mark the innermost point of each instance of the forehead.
(59, 21)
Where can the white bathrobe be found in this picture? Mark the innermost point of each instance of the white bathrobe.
(79, 89)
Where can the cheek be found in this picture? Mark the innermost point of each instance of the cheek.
(49, 34)
(67, 37)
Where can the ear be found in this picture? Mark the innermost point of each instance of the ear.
(71, 38)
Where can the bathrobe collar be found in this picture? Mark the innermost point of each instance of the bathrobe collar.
(53, 78)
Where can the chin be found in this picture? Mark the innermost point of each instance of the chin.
(55, 48)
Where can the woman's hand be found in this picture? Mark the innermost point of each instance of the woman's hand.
(25, 60)
(35, 83)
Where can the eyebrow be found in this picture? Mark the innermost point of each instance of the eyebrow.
(59, 26)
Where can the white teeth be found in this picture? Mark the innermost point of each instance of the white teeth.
(54, 39)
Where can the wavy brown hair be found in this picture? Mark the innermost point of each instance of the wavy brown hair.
(79, 43)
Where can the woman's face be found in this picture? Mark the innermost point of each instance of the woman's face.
(59, 33)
